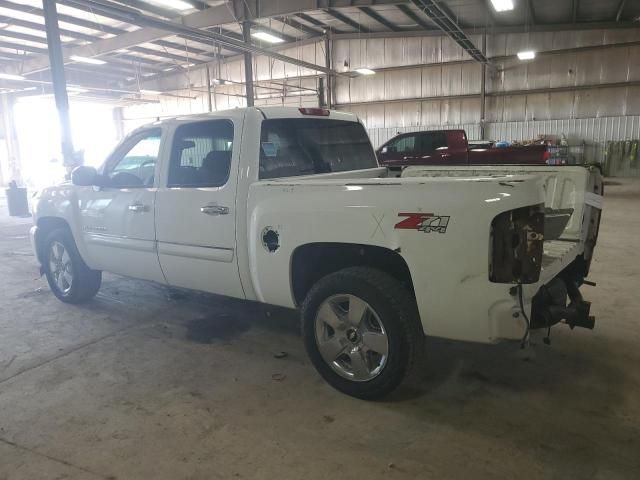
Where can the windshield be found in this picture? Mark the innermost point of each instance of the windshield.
(305, 146)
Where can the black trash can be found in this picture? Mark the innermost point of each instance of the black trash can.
(17, 201)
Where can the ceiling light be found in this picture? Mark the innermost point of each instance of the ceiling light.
(177, 4)
(502, 5)
(267, 37)
(365, 71)
(219, 81)
(150, 92)
(11, 76)
(527, 55)
(92, 61)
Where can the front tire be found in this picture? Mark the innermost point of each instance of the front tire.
(69, 278)
(362, 331)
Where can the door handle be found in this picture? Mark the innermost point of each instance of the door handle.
(138, 208)
(214, 210)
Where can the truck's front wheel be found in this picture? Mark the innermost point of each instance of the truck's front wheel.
(362, 331)
(69, 278)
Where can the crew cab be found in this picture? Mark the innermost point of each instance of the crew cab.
(289, 207)
(450, 147)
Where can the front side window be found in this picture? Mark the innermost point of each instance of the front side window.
(133, 165)
(305, 146)
(201, 154)
(405, 144)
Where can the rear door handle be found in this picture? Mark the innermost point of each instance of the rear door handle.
(214, 210)
(138, 208)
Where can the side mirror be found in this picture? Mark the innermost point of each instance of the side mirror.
(85, 176)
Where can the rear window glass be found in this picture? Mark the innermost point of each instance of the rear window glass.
(293, 147)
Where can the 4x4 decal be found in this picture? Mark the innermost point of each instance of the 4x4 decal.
(423, 222)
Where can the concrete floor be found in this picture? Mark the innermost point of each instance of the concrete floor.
(143, 384)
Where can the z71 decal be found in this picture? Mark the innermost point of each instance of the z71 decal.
(423, 222)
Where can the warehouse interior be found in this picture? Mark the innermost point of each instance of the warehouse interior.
(147, 381)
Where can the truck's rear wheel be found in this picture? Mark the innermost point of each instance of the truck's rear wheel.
(68, 276)
(362, 331)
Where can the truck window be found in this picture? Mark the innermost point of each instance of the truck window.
(300, 146)
(406, 144)
(134, 163)
(433, 141)
(201, 154)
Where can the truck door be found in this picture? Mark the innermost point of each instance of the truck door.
(458, 147)
(196, 208)
(117, 220)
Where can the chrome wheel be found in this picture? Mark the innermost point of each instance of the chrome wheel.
(351, 338)
(61, 267)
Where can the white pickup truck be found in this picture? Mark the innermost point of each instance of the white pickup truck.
(288, 206)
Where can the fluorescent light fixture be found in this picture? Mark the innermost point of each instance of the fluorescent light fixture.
(267, 37)
(502, 5)
(123, 50)
(11, 76)
(219, 81)
(150, 92)
(74, 89)
(177, 4)
(365, 71)
(527, 55)
(92, 61)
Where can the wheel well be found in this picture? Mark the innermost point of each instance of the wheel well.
(313, 261)
(45, 226)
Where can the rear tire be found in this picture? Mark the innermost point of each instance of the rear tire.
(362, 331)
(69, 278)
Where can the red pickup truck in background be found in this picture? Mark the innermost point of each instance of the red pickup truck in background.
(450, 147)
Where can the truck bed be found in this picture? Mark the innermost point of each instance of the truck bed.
(568, 187)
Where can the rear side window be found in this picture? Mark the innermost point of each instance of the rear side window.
(201, 154)
(293, 147)
(433, 142)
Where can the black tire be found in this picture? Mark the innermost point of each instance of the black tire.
(85, 282)
(395, 308)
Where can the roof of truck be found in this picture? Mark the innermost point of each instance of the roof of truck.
(268, 112)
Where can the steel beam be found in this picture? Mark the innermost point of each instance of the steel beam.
(272, 31)
(380, 19)
(412, 15)
(438, 15)
(620, 10)
(344, 19)
(299, 26)
(575, 6)
(483, 88)
(59, 81)
(532, 12)
(191, 32)
(328, 64)
(503, 93)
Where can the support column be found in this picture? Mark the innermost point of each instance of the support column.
(14, 166)
(248, 64)
(209, 90)
(118, 121)
(327, 62)
(483, 92)
(56, 65)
